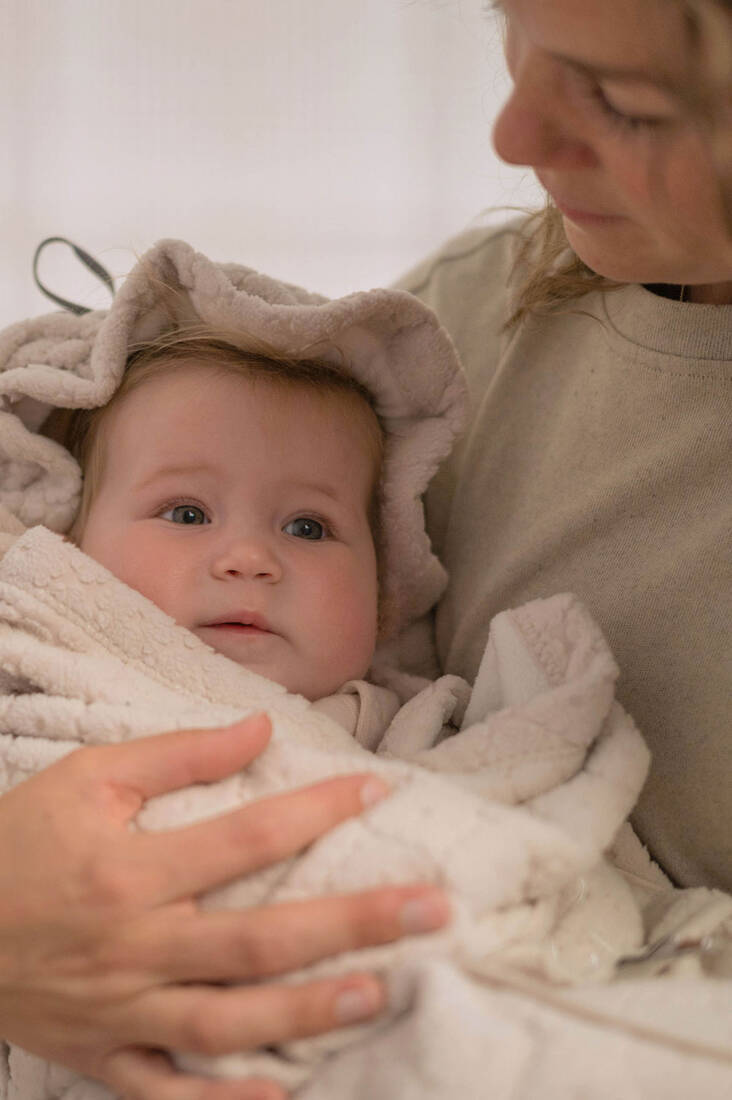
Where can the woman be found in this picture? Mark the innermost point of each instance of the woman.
(598, 456)
(596, 462)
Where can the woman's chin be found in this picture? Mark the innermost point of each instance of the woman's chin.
(619, 252)
(605, 250)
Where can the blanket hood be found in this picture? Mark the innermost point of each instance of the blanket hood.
(389, 340)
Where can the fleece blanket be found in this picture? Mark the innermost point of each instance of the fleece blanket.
(511, 813)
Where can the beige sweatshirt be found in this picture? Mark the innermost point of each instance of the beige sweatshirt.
(598, 461)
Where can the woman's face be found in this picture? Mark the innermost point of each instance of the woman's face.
(594, 114)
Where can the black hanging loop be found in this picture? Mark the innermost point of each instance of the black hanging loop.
(88, 261)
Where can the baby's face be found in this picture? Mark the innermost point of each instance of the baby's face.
(241, 510)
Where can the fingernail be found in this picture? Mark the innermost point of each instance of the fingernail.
(357, 1003)
(245, 718)
(374, 790)
(425, 913)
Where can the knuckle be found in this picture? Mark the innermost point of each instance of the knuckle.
(201, 1030)
(303, 1010)
(265, 954)
(107, 885)
(263, 834)
(82, 765)
(372, 917)
(116, 959)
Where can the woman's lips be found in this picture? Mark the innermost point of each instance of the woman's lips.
(579, 214)
(585, 217)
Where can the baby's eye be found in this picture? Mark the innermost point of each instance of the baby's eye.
(305, 528)
(189, 514)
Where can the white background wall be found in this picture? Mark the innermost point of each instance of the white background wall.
(330, 142)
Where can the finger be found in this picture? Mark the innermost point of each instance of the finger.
(260, 943)
(206, 1020)
(169, 761)
(198, 857)
(138, 1074)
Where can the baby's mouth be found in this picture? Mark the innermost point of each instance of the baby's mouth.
(245, 622)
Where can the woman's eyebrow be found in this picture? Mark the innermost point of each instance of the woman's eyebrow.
(618, 73)
(596, 69)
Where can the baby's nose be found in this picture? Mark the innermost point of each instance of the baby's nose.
(248, 557)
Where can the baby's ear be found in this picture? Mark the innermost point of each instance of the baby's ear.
(56, 426)
(76, 530)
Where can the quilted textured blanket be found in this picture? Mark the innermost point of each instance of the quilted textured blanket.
(511, 814)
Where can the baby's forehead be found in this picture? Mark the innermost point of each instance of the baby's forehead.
(177, 409)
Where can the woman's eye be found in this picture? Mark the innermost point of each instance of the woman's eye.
(305, 528)
(634, 109)
(623, 116)
(189, 514)
(625, 104)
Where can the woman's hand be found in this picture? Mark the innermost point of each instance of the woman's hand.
(104, 954)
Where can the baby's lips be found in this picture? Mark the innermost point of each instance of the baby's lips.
(241, 619)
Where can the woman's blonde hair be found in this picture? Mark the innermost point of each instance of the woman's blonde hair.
(555, 275)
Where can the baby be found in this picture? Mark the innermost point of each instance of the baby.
(239, 493)
(250, 536)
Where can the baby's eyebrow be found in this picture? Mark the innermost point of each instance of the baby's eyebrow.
(179, 469)
(174, 470)
(321, 487)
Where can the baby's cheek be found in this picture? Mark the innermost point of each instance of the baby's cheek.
(353, 616)
(140, 563)
(161, 579)
(102, 544)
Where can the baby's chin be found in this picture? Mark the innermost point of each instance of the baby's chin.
(267, 655)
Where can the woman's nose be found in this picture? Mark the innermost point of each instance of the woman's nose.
(247, 557)
(537, 126)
